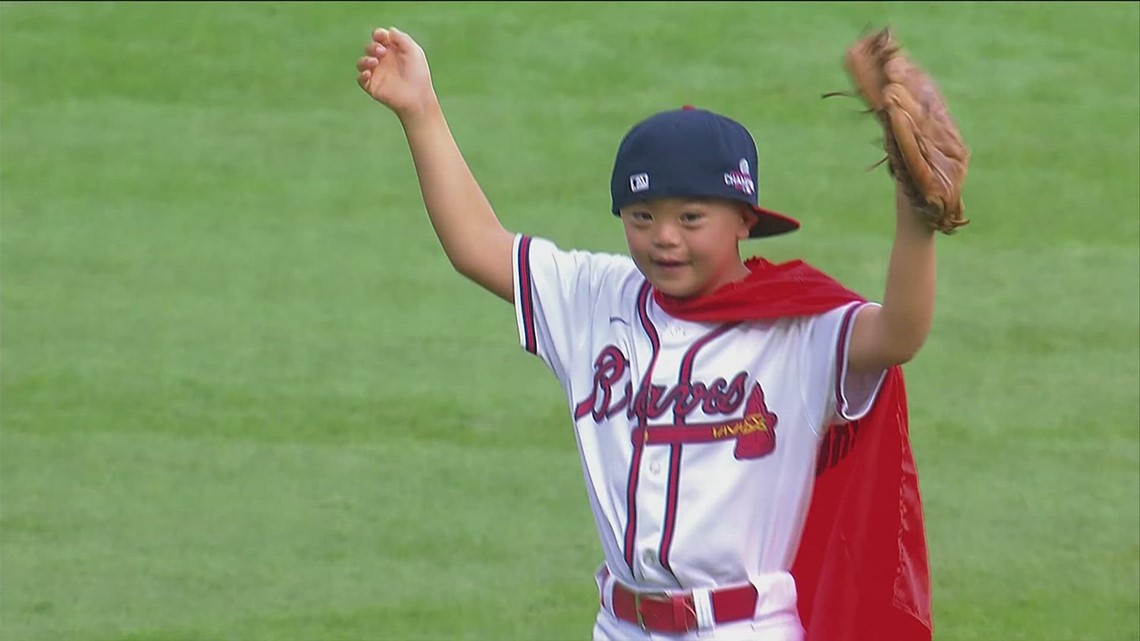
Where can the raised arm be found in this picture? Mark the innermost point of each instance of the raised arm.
(928, 159)
(893, 333)
(395, 72)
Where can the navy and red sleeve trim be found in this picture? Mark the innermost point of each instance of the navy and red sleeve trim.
(841, 358)
(526, 296)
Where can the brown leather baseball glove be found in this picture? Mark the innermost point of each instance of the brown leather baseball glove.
(925, 151)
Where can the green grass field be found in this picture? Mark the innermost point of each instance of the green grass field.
(245, 397)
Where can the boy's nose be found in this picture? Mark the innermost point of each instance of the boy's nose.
(665, 235)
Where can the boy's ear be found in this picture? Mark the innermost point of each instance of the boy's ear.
(748, 218)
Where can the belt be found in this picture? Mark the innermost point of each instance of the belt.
(677, 612)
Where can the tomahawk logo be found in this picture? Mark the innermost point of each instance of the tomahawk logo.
(740, 179)
(638, 182)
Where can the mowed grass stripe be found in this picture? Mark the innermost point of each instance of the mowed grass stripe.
(283, 366)
(142, 533)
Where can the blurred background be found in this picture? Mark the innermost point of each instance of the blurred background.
(244, 395)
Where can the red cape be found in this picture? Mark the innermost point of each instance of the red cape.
(862, 571)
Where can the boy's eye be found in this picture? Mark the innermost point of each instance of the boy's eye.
(690, 217)
(641, 216)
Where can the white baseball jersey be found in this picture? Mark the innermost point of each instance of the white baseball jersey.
(698, 440)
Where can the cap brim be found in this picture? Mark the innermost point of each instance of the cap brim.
(771, 223)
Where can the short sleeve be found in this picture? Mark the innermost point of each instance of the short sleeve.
(557, 294)
(839, 394)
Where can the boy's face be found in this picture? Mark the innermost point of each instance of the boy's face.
(687, 247)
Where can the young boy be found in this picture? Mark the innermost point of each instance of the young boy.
(710, 394)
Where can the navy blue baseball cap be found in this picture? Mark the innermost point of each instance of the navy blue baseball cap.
(692, 152)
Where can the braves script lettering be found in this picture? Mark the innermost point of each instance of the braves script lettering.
(653, 401)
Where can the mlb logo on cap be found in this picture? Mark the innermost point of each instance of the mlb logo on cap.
(691, 153)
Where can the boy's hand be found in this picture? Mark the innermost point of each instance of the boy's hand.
(394, 71)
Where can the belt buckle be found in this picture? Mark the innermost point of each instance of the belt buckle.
(651, 596)
(660, 597)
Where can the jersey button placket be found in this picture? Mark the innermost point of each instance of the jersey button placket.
(651, 507)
